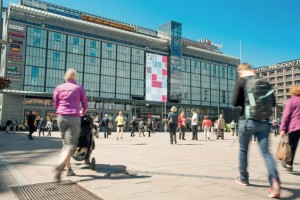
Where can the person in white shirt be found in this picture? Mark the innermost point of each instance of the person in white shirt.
(194, 123)
(233, 127)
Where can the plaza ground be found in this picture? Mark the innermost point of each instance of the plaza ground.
(146, 168)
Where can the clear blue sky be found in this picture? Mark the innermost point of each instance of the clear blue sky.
(268, 29)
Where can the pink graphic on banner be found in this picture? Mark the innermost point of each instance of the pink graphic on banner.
(156, 77)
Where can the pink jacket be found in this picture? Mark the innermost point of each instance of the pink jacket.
(67, 98)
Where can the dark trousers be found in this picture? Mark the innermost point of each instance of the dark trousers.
(41, 130)
(293, 140)
(31, 130)
(195, 130)
(149, 130)
(105, 132)
(173, 128)
(182, 132)
(132, 130)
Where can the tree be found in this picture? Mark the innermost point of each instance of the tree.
(4, 82)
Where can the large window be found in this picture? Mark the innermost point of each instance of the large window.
(108, 51)
(36, 37)
(137, 56)
(75, 44)
(57, 41)
(124, 54)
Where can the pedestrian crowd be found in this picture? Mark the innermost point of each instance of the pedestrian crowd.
(253, 95)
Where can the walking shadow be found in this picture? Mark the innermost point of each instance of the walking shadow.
(113, 172)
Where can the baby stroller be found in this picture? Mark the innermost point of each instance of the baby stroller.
(86, 142)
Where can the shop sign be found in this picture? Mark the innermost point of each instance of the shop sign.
(210, 43)
(278, 66)
(15, 47)
(13, 74)
(14, 58)
(17, 35)
(14, 41)
(36, 101)
(18, 28)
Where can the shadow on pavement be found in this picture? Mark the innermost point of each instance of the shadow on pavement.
(112, 172)
(295, 193)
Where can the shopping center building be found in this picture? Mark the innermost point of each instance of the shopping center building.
(281, 76)
(125, 67)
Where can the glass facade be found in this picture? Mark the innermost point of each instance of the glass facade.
(108, 70)
(104, 69)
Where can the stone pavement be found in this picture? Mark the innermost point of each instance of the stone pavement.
(146, 168)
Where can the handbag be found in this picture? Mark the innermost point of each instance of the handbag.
(284, 152)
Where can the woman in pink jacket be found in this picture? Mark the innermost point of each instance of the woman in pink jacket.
(290, 123)
(69, 100)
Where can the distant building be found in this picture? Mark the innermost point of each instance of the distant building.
(122, 66)
(281, 76)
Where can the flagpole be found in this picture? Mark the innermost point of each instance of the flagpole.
(240, 50)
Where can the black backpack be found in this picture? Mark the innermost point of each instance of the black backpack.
(259, 98)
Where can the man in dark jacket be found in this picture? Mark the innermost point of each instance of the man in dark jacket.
(133, 124)
(256, 127)
(30, 122)
(104, 124)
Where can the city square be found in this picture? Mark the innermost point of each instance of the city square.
(146, 168)
(78, 80)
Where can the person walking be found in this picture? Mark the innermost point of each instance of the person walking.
(254, 125)
(30, 122)
(8, 126)
(173, 123)
(104, 124)
(149, 126)
(206, 126)
(14, 125)
(49, 127)
(40, 127)
(97, 125)
(275, 127)
(194, 123)
(141, 128)
(233, 127)
(290, 123)
(182, 125)
(120, 125)
(70, 101)
(221, 127)
(133, 124)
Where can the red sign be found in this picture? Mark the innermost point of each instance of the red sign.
(18, 35)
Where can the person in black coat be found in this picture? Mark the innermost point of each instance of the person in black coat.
(30, 122)
(173, 123)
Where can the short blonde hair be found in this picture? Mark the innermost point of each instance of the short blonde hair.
(173, 109)
(70, 74)
(120, 113)
(295, 90)
(244, 66)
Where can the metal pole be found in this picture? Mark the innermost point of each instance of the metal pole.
(275, 112)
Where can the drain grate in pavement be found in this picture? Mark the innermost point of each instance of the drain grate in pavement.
(63, 190)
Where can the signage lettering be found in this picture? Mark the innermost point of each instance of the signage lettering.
(18, 35)
(13, 41)
(15, 47)
(14, 58)
(14, 74)
(278, 66)
(209, 43)
(18, 28)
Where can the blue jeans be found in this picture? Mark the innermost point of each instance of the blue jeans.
(261, 130)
